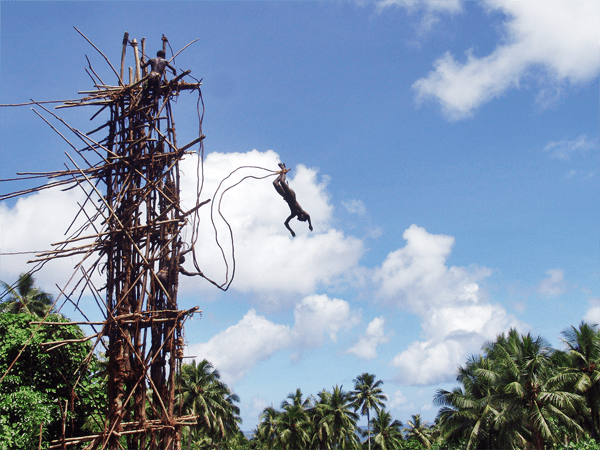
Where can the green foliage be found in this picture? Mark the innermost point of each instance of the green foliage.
(521, 393)
(202, 393)
(24, 297)
(42, 382)
(367, 395)
(580, 371)
(17, 409)
(588, 444)
(387, 432)
(419, 431)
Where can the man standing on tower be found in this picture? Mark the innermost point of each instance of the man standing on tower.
(158, 66)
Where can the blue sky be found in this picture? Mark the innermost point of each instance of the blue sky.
(447, 153)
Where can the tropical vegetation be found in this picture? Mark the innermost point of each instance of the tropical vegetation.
(368, 395)
(521, 393)
(24, 297)
(517, 393)
(203, 394)
(36, 384)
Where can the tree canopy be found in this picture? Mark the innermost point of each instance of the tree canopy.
(43, 383)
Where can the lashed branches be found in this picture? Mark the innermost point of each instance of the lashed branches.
(131, 222)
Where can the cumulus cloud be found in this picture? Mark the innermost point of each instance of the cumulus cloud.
(268, 259)
(593, 313)
(554, 284)
(236, 350)
(33, 224)
(256, 405)
(318, 317)
(455, 317)
(355, 207)
(565, 148)
(561, 38)
(429, 5)
(397, 400)
(454, 333)
(432, 9)
(418, 277)
(375, 335)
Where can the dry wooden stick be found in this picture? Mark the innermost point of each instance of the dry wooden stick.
(138, 69)
(173, 57)
(67, 341)
(36, 189)
(36, 103)
(113, 214)
(125, 41)
(82, 137)
(98, 50)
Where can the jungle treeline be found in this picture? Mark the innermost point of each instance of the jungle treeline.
(517, 393)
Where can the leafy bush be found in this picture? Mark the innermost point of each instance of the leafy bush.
(588, 444)
(33, 387)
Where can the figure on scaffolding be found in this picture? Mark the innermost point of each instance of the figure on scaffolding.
(158, 66)
(282, 187)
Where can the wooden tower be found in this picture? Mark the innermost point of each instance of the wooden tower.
(132, 181)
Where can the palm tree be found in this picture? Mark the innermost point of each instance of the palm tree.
(419, 431)
(203, 394)
(296, 400)
(342, 420)
(321, 429)
(25, 298)
(266, 432)
(334, 422)
(293, 428)
(582, 371)
(387, 433)
(367, 395)
(530, 403)
(467, 414)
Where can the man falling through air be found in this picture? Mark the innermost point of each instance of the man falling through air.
(282, 187)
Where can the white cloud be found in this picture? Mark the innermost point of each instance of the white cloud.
(355, 207)
(425, 362)
(432, 9)
(256, 405)
(593, 313)
(455, 317)
(396, 400)
(429, 5)
(268, 260)
(453, 333)
(33, 224)
(565, 148)
(418, 277)
(559, 37)
(554, 284)
(236, 350)
(317, 316)
(366, 347)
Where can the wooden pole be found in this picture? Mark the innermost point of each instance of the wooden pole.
(125, 40)
(138, 70)
(143, 56)
(41, 427)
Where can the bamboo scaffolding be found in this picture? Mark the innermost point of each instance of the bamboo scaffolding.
(132, 220)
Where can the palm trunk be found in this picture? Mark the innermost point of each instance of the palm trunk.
(368, 430)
